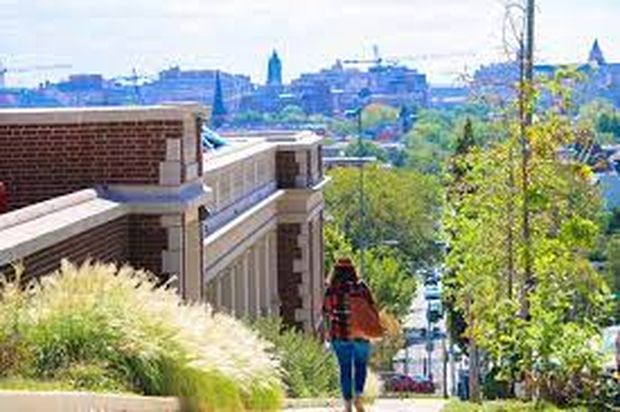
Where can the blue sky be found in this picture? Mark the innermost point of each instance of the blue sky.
(112, 36)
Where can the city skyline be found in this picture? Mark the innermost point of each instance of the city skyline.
(238, 36)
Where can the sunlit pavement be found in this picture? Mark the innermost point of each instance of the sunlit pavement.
(388, 405)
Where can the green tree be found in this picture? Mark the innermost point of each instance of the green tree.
(568, 297)
(435, 135)
(603, 118)
(342, 127)
(366, 149)
(457, 190)
(400, 205)
(613, 272)
(248, 117)
(376, 114)
(292, 114)
(390, 280)
(387, 275)
(336, 245)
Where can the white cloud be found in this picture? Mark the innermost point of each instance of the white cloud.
(236, 35)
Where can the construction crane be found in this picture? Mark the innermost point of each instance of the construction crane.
(4, 70)
(136, 81)
(378, 60)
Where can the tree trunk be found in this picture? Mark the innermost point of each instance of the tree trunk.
(474, 366)
(474, 372)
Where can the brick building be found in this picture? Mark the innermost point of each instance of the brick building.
(240, 226)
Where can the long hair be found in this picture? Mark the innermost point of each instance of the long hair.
(342, 272)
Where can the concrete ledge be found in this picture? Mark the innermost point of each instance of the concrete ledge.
(28, 230)
(25, 214)
(158, 200)
(96, 115)
(239, 150)
(283, 139)
(23, 401)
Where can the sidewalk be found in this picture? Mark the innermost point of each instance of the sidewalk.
(388, 405)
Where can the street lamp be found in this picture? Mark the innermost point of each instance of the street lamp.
(357, 114)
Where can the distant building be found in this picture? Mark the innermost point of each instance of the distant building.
(337, 89)
(602, 78)
(445, 97)
(272, 97)
(175, 84)
(274, 72)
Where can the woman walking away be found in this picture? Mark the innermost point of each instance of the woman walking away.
(351, 320)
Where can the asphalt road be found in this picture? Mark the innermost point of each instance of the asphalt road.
(418, 354)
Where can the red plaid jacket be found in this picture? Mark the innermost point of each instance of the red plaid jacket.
(336, 311)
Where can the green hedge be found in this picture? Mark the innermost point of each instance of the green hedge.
(503, 406)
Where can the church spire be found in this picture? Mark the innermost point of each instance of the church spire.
(274, 70)
(218, 110)
(596, 54)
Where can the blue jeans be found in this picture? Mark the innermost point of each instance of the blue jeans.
(353, 359)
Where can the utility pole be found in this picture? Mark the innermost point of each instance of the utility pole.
(526, 113)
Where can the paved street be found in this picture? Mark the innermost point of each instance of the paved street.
(417, 354)
(388, 405)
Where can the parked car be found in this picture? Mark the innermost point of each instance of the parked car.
(434, 311)
(432, 277)
(395, 382)
(437, 334)
(404, 383)
(432, 292)
(414, 336)
(423, 384)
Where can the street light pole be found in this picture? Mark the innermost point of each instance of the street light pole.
(362, 195)
(445, 367)
(429, 346)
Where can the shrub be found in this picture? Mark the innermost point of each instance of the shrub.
(386, 349)
(503, 406)
(98, 327)
(309, 370)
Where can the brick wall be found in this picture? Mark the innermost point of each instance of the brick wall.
(147, 239)
(107, 243)
(287, 169)
(43, 161)
(288, 280)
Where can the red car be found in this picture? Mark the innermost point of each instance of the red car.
(422, 384)
(404, 383)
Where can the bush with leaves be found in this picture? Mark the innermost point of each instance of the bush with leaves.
(505, 406)
(309, 371)
(101, 328)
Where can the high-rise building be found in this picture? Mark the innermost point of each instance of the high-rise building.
(274, 71)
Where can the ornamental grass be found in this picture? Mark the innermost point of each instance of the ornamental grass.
(98, 327)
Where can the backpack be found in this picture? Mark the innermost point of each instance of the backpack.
(365, 319)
